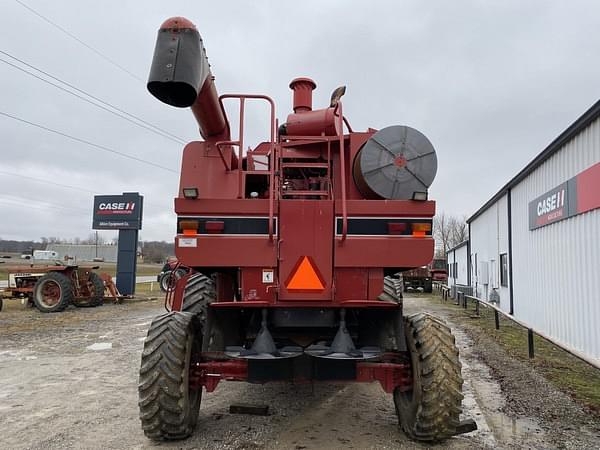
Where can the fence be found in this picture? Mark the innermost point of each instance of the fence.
(462, 299)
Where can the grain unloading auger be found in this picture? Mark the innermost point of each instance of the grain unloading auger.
(294, 244)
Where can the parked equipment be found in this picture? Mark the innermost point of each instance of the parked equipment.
(170, 273)
(53, 288)
(294, 243)
(421, 278)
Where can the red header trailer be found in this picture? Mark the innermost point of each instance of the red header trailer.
(292, 244)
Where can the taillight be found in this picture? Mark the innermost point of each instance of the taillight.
(189, 227)
(421, 229)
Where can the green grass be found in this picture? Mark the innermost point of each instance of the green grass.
(568, 373)
(109, 268)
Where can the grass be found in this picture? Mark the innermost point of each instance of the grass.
(568, 373)
(109, 268)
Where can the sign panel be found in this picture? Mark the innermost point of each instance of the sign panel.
(575, 196)
(118, 212)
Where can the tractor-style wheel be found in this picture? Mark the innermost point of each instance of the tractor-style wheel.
(53, 292)
(199, 292)
(168, 279)
(95, 288)
(392, 290)
(168, 405)
(430, 411)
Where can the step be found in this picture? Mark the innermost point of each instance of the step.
(305, 193)
(303, 165)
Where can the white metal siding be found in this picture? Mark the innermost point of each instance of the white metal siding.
(461, 265)
(489, 239)
(556, 267)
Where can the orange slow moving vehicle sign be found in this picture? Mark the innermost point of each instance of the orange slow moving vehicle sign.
(305, 277)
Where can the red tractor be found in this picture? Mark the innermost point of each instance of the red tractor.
(293, 244)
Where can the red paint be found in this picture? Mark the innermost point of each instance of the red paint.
(588, 189)
(391, 374)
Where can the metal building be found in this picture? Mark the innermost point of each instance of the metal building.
(85, 252)
(534, 247)
(458, 269)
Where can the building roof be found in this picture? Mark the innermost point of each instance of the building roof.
(575, 128)
(456, 247)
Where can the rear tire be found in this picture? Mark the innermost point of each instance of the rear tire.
(53, 292)
(431, 410)
(96, 289)
(168, 406)
(200, 291)
(392, 290)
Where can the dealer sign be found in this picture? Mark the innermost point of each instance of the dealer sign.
(575, 196)
(117, 212)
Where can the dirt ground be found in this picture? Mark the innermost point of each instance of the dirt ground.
(69, 380)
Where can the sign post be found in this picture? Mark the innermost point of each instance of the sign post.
(123, 213)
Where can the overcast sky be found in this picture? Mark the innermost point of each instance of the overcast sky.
(491, 83)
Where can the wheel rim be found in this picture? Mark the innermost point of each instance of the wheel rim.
(49, 293)
(165, 282)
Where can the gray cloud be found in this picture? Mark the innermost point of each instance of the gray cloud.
(490, 83)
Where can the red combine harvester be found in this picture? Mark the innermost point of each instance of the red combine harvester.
(292, 244)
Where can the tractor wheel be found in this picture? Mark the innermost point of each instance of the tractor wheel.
(53, 292)
(199, 293)
(168, 405)
(169, 277)
(392, 290)
(430, 411)
(96, 292)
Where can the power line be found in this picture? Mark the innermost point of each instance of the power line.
(72, 36)
(83, 141)
(67, 186)
(39, 180)
(41, 203)
(149, 127)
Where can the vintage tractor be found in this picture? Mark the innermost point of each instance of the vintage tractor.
(51, 288)
(293, 243)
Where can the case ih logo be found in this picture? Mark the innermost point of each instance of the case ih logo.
(552, 207)
(117, 212)
(575, 196)
(116, 208)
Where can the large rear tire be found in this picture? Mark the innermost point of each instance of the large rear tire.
(53, 292)
(168, 405)
(431, 410)
(200, 291)
(392, 289)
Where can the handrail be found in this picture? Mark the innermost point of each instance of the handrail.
(530, 331)
(338, 109)
(242, 98)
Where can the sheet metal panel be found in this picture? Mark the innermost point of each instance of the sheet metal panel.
(489, 239)
(555, 268)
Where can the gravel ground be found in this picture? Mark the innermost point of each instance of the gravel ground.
(69, 380)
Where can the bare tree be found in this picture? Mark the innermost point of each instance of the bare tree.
(449, 231)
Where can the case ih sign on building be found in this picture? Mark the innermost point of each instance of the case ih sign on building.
(117, 212)
(575, 196)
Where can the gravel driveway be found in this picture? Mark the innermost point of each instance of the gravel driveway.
(69, 380)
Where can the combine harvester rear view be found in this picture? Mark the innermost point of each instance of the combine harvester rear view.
(293, 244)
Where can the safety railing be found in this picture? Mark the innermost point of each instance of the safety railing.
(463, 300)
(240, 144)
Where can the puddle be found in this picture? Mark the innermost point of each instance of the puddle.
(100, 346)
(143, 324)
(16, 355)
(485, 402)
